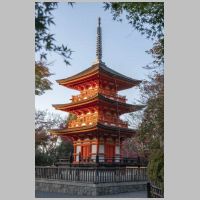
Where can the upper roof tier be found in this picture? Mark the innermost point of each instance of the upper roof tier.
(99, 72)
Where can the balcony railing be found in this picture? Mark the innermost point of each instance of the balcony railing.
(83, 121)
(84, 95)
(92, 92)
(112, 96)
(113, 121)
(93, 119)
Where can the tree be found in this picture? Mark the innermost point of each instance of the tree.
(41, 78)
(48, 148)
(149, 140)
(156, 167)
(46, 144)
(152, 125)
(148, 19)
(45, 42)
(151, 129)
(64, 149)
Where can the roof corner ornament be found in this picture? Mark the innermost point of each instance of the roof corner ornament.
(99, 43)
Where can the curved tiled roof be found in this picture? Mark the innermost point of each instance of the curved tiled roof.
(99, 97)
(93, 128)
(100, 67)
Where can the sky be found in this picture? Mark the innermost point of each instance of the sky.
(123, 50)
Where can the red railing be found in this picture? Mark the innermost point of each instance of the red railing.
(89, 120)
(92, 92)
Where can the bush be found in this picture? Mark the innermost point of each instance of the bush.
(156, 167)
(43, 159)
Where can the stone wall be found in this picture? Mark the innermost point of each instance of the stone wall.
(87, 189)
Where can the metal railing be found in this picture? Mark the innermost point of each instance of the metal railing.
(102, 160)
(154, 191)
(92, 175)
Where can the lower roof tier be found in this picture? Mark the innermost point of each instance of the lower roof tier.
(98, 130)
(100, 101)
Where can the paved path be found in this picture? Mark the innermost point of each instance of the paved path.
(141, 194)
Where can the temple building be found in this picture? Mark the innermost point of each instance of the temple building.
(97, 132)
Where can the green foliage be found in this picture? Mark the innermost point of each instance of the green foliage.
(64, 149)
(148, 19)
(41, 82)
(156, 168)
(43, 159)
(150, 138)
(45, 43)
(44, 39)
(157, 52)
(152, 127)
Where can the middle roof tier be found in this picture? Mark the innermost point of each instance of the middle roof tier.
(98, 102)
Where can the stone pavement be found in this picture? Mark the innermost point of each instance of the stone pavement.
(139, 194)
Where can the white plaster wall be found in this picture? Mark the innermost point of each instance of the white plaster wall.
(117, 150)
(117, 153)
(78, 149)
(94, 148)
(101, 148)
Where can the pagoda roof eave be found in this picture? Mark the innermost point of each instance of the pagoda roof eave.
(97, 97)
(117, 74)
(95, 69)
(92, 128)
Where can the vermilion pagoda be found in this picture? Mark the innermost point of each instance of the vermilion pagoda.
(97, 131)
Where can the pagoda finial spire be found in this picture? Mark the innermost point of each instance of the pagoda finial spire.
(99, 42)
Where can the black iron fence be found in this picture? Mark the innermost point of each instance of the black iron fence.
(102, 161)
(154, 191)
(92, 175)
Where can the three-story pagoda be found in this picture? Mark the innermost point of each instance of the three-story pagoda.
(97, 132)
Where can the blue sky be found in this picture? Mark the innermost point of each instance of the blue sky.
(123, 49)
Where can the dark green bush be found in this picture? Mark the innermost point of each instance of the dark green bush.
(156, 168)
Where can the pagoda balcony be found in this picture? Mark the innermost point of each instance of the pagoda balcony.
(113, 121)
(92, 92)
(83, 121)
(93, 119)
